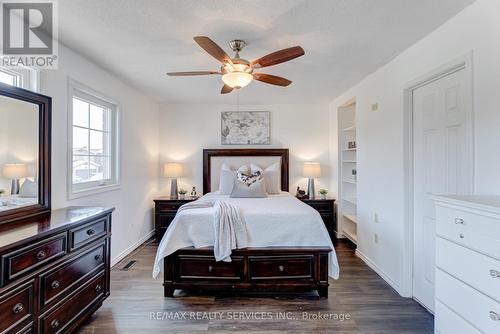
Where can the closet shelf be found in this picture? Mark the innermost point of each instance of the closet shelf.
(349, 149)
(352, 200)
(349, 161)
(352, 218)
(350, 181)
(351, 236)
(351, 128)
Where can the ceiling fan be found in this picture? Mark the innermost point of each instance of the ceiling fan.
(238, 72)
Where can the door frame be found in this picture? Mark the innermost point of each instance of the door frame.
(465, 63)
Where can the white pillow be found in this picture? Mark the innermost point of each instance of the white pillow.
(271, 177)
(226, 181)
(29, 189)
(254, 190)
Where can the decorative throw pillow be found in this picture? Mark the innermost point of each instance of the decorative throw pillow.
(255, 190)
(247, 176)
(271, 177)
(226, 181)
(29, 189)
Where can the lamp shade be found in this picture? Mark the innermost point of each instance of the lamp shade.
(14, 171)
(311, 170)
(172, 170)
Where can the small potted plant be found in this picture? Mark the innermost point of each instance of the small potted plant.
(323, 193)
(182, 193)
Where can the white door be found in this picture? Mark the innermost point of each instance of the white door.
(442, 165)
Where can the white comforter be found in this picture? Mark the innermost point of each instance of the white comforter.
(278, 220)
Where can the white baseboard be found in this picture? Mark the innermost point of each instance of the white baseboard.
(379, 271)
(130, 249)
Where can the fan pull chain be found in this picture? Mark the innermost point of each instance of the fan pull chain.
(237, 100)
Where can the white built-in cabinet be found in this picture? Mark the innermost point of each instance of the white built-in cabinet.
(347, 192)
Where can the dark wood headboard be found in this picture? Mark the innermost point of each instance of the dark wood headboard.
(243, 152)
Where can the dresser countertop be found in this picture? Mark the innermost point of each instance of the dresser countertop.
(38, 226)
(489, 203)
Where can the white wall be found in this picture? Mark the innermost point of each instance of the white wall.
(380, 134)
(132, 219)
(186, 129)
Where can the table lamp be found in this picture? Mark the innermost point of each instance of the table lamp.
(173, 170)
(14, 172)
(311, 170)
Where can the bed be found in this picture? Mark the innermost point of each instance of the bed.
(10, 202)
(289, 245)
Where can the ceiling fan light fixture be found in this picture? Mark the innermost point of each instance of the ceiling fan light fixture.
(237, 79)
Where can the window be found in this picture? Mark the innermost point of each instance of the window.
(94, 142)
(23, 77)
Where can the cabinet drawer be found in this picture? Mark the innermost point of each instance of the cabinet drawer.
(322, 206)
(447, 321)
(29, 258)
(16, 307)
(71, 273)
(475, 231)
(83, 235)
(63, 316)
(479, 271)
(482, 312)
(164, 220)
(281, 267)
(170, 207)
(205, 267)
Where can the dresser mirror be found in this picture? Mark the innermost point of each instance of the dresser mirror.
(24, 153)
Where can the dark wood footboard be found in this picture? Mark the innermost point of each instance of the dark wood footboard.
(276, 269)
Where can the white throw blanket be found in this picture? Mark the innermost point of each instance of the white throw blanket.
(230, 230)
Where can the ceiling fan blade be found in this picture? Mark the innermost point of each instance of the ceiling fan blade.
(271, 79)
(213, 49)
(278, 57)
(181, 74)
(226, 89)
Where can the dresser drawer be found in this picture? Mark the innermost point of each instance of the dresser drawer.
(164, 220)
(70, 274)
(322, 206)
(29, 258)
(482, 312)
(446, 321)
(170, 207)
(475, 231)
(64, 315)
(205, 267)
(281, 267)
(88, 233)
(16, 307)
(480, 271)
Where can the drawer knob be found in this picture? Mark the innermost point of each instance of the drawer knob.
(97, 257)
(41, 255)
(54, 323)
(91, 231)
(494, 273)
(18, 308)
(461, 235)
(281, 268)
(54, 285)
(98, 288)
(459, 221)
(494, 316)
(210, 269)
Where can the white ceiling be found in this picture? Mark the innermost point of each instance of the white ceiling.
(344, 40)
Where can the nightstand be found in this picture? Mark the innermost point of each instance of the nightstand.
(326, 208)
(165, 211)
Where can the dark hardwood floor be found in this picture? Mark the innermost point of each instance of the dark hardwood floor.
(359, 302)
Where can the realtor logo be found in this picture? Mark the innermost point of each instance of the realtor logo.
(29, 33)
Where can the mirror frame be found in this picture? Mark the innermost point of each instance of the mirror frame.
(44, 152)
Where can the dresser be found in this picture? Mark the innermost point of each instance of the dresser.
(165, 210)
(467, 264)
(326, 208)
(55, 269)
